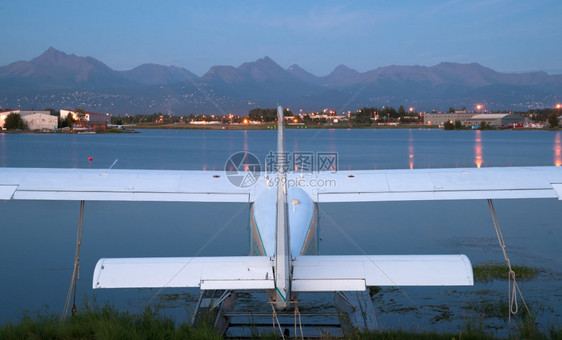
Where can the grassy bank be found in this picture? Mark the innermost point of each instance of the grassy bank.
(108, 323)
(102, 323)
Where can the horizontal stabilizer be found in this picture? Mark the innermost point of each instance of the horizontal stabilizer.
(7, 191)
(310, 273)
(351, 273)
(239, 272)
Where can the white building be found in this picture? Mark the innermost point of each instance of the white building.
(92, 117)
(65, 113)
(475, 118)
(40, 121)
(35, 120)
(440, 119)
(496, 119)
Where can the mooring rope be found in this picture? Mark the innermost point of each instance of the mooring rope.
(512, 286)
(76, 271)
(275, 319)
(298, 315)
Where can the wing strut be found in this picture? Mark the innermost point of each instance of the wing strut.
(76, 271)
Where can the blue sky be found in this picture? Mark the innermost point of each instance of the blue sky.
(506, 35)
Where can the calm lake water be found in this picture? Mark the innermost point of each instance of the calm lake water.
(37, 238)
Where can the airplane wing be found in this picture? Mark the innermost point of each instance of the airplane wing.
(342, 186)
(436, 184)
(119, 185)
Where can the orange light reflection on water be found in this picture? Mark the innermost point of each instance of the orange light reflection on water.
(411, 150)
(204, 153)
(557, 150)
(478, 149)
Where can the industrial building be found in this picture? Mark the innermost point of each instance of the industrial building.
(473, 119)
(35, 120)
(496, 119)
(41, 121)
(440, 119)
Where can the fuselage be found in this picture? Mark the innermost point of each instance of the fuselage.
(302, 218)
(302, 213)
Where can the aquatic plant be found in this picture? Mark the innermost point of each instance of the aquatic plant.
(492, 271)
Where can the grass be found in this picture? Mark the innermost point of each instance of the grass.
(373, 290)
(103, 323)
(491, 271)
(92, 322)
(488, 309)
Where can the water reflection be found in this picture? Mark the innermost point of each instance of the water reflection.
(245, 140)
(292, 156)
(557, 149)
(332, 140)
(3, 144)
(411, 149)
(478, 149)
(74, 151)
(204, 152)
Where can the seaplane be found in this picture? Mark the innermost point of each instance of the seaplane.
(121, 126)
(284, 260)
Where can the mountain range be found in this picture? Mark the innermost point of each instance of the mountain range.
(62, 81)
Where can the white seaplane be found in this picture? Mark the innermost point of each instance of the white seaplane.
(284, 260)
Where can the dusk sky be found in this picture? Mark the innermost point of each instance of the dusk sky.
(506, 35)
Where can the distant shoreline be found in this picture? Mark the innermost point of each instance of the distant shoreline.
(270, 126)
(273, 126)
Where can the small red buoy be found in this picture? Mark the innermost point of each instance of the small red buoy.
(90, 159)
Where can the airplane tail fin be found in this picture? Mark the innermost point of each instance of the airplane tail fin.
(282, 259)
